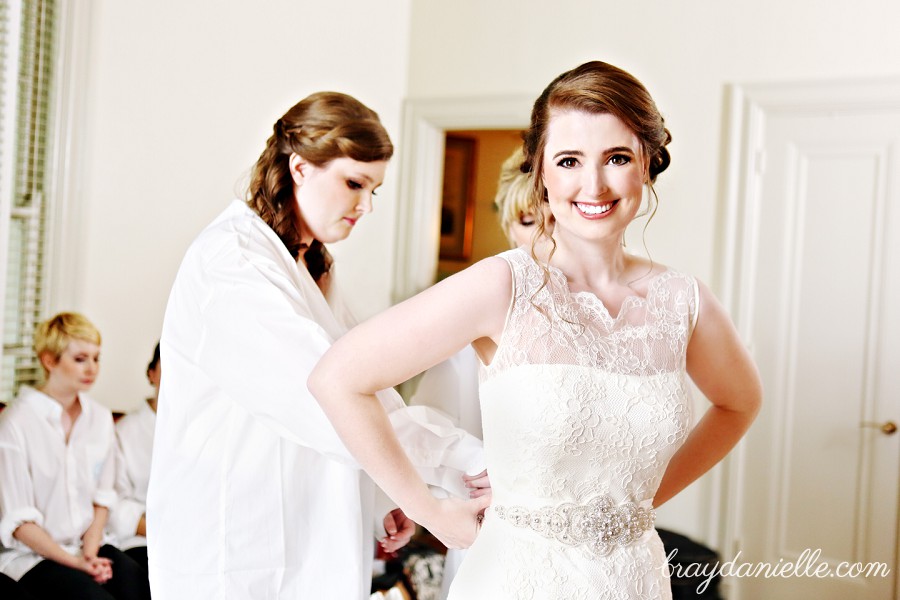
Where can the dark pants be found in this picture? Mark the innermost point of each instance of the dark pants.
(139, 554)
(49, 580)
(10, 590)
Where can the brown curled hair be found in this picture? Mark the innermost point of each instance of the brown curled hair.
(320, 128)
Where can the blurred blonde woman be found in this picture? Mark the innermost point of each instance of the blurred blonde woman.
(518, 218)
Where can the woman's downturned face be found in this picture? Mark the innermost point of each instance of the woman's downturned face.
(333, 197)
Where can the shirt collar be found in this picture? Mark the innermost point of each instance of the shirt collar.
(46, 406)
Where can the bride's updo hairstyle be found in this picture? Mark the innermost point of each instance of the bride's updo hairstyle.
(319, 128)
(596, 87)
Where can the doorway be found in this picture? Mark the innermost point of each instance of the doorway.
(426, 123)
(470, 225)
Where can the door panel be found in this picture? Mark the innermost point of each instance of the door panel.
(820, 299)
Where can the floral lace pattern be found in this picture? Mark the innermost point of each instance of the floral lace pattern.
(577, 405)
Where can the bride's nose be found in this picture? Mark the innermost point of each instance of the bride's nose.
(594, 181)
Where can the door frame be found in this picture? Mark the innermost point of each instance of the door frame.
(425, 122)
(746, 109)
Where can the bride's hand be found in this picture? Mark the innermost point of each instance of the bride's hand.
(479, 484)
(456, 522)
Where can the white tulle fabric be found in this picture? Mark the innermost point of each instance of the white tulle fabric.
(577, 405)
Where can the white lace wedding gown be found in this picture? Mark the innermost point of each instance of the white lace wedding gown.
(581, 414)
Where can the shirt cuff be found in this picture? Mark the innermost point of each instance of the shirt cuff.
(106, 498)
(14, 519)
(124, 518)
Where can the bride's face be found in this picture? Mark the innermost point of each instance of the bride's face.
(333, 197)
(594, 173)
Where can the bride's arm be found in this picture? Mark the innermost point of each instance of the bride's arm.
(393, 347)
(720, 365)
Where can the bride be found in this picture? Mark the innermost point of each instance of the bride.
(587, 355)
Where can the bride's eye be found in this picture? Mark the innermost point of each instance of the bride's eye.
(567, 163)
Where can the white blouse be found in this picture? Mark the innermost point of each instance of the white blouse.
(452, 388)
(134, 446)
(47, 481)
(252, 494)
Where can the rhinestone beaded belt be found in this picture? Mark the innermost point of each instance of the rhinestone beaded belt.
(600, 524)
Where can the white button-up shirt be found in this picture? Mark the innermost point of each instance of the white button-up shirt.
(134, 447)
(50, 482)
(252, 494)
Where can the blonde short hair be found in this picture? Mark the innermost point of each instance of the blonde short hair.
(513, 191)
(54, 334)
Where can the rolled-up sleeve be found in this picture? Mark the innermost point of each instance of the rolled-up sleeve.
(16, 489)
(105, 494)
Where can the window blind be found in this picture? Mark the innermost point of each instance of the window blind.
(28, 53)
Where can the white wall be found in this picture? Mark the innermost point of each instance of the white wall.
(180, 100)
(686, 53)
(182, 94)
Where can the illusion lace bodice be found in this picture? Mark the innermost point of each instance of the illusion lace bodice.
(579, 407)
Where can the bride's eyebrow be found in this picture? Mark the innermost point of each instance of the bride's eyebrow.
(618, 149)
(568, 153)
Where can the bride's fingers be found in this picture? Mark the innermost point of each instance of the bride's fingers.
(481, 480)
(479, 492)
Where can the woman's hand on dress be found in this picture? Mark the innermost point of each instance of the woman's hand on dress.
(399, 529)
(479, 484)
(456, 522)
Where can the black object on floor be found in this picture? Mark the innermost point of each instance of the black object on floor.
(691, 566)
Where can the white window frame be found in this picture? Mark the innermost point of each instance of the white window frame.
(60, 288)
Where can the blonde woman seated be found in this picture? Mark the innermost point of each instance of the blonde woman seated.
(57, 474)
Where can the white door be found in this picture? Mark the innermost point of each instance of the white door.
(815, 277)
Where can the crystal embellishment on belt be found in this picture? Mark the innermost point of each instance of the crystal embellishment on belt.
(599, 524)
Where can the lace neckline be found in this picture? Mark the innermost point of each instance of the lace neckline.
(630, 301)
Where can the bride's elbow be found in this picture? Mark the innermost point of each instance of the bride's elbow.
(320, 382)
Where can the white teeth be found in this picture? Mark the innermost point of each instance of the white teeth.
(593, 209)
